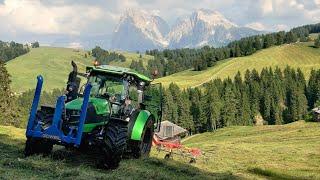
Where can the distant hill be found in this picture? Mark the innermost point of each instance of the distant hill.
(296, 55)
(54, 64)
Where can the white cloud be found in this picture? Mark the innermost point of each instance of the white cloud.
(75, 45)
(267, 7)
(257, 26)
(34, 16)
(262, 27)
(280, 27)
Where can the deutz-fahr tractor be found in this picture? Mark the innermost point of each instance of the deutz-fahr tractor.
(116, 111)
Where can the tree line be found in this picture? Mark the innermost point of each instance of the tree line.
(270, 97)
(11, 50)
(105, 57)
(172, 61)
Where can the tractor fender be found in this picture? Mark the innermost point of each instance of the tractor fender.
(137, 124)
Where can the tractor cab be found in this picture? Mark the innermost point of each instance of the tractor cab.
(116, 93)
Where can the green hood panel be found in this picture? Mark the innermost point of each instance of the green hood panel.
(101, 105)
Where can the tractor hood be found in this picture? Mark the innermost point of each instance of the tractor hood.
(101, 105)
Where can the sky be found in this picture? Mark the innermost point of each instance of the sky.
(48, 20)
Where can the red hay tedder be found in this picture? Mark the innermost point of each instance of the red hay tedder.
(174, 147)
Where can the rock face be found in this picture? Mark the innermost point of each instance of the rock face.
(139, 31)
(205, 27)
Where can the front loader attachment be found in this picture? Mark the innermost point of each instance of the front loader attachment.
(53, 132)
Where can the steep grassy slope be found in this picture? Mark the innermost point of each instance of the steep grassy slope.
(54, 65)
(277, 152)
(296, 55)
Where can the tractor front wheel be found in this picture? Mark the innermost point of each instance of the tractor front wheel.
(115, 142)
(37, 146)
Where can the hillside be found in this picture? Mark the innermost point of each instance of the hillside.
(279, 152)
(54, 64)
(295, 55)
(130, 57)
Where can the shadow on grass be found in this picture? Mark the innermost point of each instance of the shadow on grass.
(271, 174)
(313, 46)
(10, 147)
(149, 168)
(72, 164)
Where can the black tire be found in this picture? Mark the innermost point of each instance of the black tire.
(115, 142)
(142, 148)
(37, 146)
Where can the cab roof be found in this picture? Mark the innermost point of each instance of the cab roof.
(119, 71)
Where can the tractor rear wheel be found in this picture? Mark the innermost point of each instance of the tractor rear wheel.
(142, 148)
(37, 146)
(115, 141)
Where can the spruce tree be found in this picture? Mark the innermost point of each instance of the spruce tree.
(245, 107)
(170, 105)
(184, 115)
(9, 111)
(313, 88)
(229, 106)
(317, 42)
(213, 107)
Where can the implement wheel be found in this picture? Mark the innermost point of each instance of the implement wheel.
(115, 140)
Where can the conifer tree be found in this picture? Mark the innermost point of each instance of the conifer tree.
(313, 89)
(172, 105)
(245, 107)
(184, 115)
(9, 111)
(317, 42)
(213, 107)
(229, 106)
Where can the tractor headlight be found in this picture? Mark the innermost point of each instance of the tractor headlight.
(127, 119)
(142, 83)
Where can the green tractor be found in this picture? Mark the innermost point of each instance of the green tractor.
(115, 112)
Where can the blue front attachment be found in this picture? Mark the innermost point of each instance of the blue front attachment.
(54, 132)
